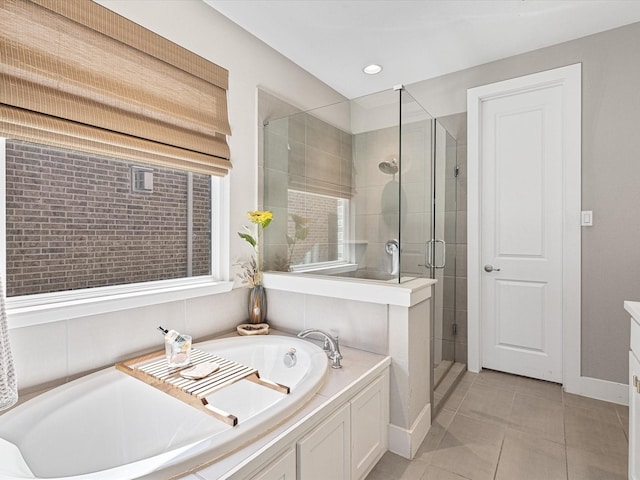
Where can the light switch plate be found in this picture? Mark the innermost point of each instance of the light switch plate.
(587, 218)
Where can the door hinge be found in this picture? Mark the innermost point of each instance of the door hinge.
(454, 328)
(456, 172)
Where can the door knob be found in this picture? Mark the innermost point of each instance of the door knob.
(490, 268)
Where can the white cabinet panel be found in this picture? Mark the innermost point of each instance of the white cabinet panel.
(634, 417)
(326, 452)
(282, 468)
(369, 423)
(635, 337)
(346, 445)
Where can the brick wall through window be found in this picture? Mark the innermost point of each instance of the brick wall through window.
(74, 221)
(324, 235)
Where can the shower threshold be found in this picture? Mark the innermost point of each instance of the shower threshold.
(446, 384)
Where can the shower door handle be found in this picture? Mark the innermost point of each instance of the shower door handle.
(431, 245)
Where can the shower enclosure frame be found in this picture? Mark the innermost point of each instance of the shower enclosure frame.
(387, 144)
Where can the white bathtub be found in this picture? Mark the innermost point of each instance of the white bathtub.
(108, 425)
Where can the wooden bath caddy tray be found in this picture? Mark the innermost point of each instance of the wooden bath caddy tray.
(153, 369)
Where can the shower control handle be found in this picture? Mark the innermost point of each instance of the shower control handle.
(392, 248)
(490, 268)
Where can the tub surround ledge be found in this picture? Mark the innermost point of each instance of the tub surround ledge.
(406, 294)
(359, 370)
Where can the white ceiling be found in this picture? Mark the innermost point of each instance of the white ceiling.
(415, 39)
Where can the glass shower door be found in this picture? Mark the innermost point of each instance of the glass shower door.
(428, 215)
(442, 257)
(416, 133)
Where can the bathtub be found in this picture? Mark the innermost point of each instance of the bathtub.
(109, 425)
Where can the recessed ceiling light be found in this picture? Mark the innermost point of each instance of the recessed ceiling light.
(372, 69)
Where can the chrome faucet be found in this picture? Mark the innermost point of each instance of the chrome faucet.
(331, 345)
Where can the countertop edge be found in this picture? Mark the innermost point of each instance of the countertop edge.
(404, 294)
(633, 308)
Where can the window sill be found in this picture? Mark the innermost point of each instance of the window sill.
(22, 314)
(328, 268)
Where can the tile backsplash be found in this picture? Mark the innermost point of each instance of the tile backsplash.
(360, 325)
(52, 353)
(55, 352)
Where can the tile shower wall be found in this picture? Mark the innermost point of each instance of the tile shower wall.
(375, 210)
(455, 281)
(52, 353)
(454, 346)
(461, 254)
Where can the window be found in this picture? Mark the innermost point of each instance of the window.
(316, 229)
(79, 78)
(76, 233)
(73, 221)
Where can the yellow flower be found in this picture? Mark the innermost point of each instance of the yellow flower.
(261, 218)
(252, 270)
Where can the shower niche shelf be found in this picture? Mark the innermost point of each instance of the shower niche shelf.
(153, 370)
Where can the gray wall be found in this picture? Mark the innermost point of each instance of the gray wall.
(610, 176)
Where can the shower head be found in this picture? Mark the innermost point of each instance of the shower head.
(389, 167)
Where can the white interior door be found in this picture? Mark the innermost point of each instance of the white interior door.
(522, 233)
(524, 201)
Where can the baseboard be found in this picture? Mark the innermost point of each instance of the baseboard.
(405, 442)
(604, 390)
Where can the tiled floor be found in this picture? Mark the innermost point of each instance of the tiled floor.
(497, 426)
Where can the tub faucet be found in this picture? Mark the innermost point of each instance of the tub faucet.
(331, 345)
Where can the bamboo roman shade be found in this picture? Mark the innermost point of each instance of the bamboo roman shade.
(77, 75)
